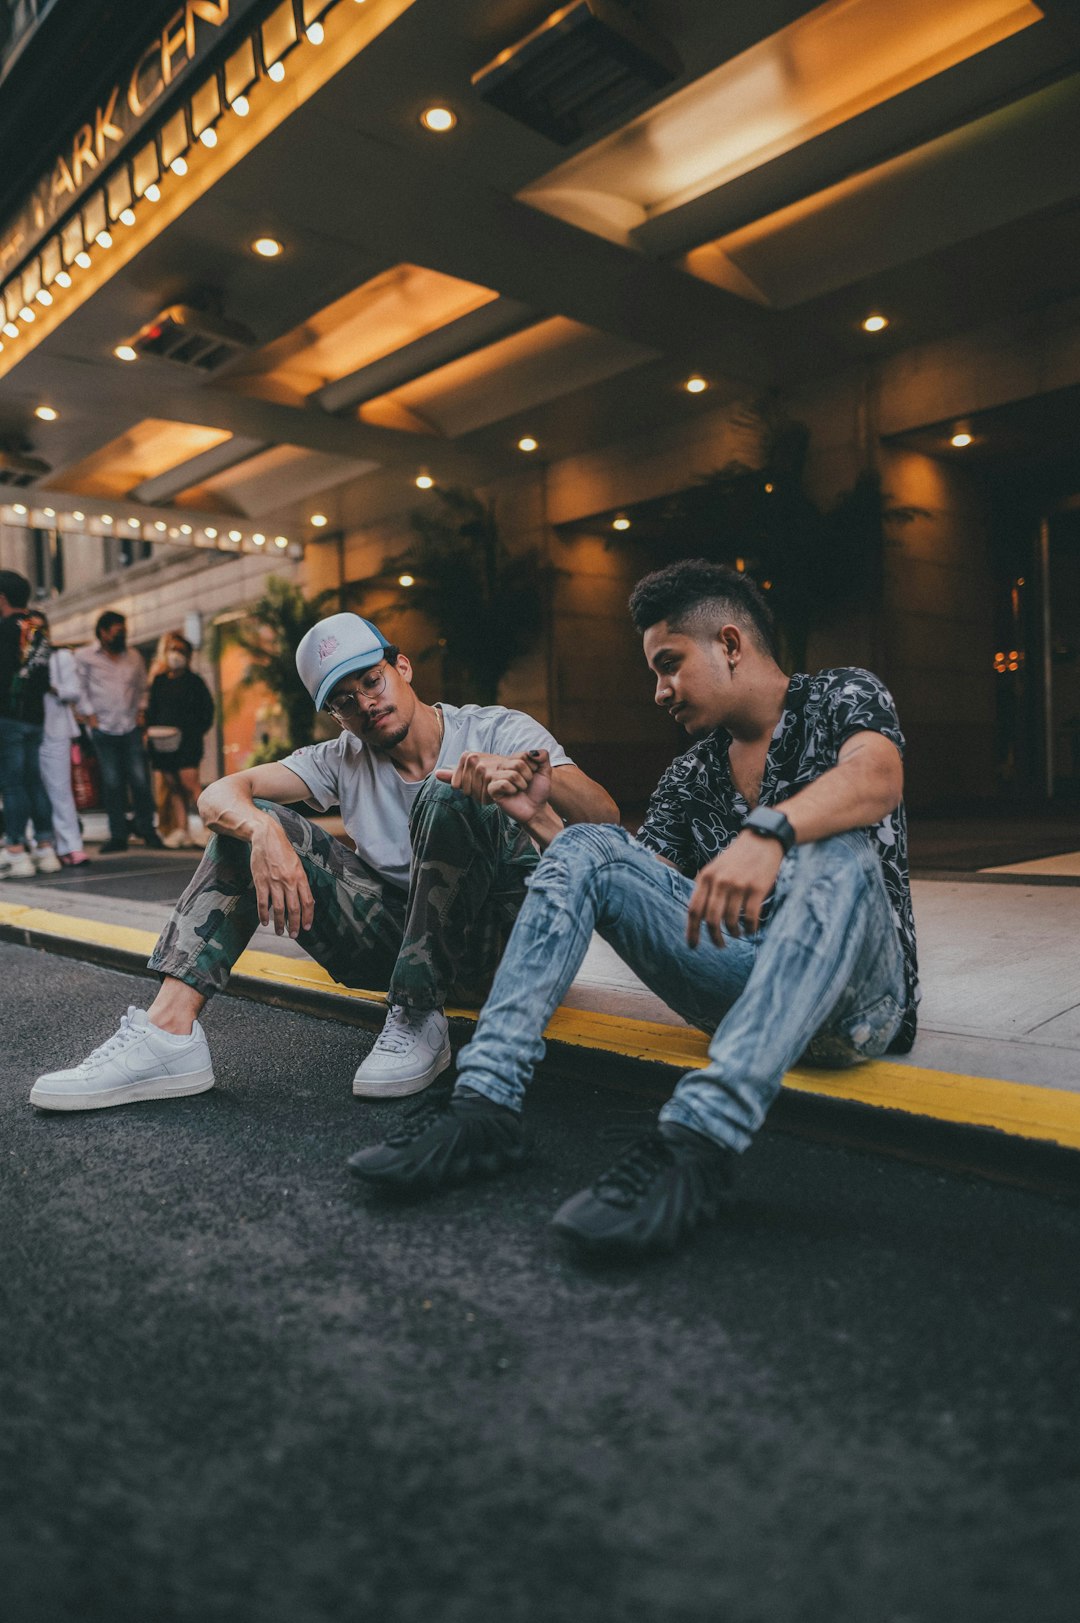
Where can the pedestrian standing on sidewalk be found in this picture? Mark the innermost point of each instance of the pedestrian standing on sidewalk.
(112, 680)
(422, 906)
(765, 898)
(24, 681)
(55, 754)
(179, 715)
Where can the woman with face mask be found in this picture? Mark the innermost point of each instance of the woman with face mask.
(179, 713)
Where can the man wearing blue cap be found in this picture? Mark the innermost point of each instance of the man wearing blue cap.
(439, 801)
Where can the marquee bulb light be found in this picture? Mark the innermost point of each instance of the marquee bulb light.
(318, 520)
(20, 509)
(82, 259)
(259, 539)
(179, 166)
(276, 71)
(527, 443)
(127, 216)
(960, 440)
(315, 34)
(106, 518)
(78, 517)
(281, 540)
(104, 239)
(63, 279)
(875, 323)
(50, 512)
(26, 314)
(125, 352)
(10, 329)
(210, 534)
(438, 119)
(133, 523)
(48, 414)
(695, 385)
(620, 523)
(44, 296)
(241, 107)
(267, 247)
(424, 481)
(153, 192)
(185, 529)
(406, 580)
(209, 138)
(161, 527)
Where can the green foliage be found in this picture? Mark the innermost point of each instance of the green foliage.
(270, 637)
(485, 602)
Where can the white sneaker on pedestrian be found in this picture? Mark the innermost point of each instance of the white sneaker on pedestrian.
(176, 840)
(140, 1061)
(45, 860)
(19, 865)
(411, 1050)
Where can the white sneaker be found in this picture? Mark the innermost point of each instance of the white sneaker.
(137, 1062)
(19, 865)
(176, 840)
(45, 860)
(411, 1050)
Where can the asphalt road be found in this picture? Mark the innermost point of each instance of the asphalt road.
(233, 1387)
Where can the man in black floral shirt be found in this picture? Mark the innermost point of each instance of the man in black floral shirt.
(781, 831)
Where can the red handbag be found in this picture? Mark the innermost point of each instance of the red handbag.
(85, 776)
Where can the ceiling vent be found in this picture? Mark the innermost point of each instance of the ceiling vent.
(589, 65)
(17, 470)
(192, 338)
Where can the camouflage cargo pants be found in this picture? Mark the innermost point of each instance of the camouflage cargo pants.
(440, 943)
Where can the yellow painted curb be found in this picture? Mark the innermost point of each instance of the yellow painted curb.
(1017, 1108)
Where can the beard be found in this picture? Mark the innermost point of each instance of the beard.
(389, 738)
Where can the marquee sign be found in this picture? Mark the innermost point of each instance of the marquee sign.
(185, 42)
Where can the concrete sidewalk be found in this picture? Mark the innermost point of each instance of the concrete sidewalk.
(999, 1034)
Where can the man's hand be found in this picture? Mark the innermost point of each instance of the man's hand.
(733, 886)
(281, 885)
(520, 784)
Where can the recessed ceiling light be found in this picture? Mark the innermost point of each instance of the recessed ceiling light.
(20, 509)
(875, 323)
(209, 138)
(211, 534)
(153, 192)
(185, 529)
(106, 518)
(406, 580)
(527, 443)
(438, 119)
(127, 216)
(133, 524)
(63, 278)
(161, 526)
(960, 440)
(281, 540)
(315, 34)
(82, 259)
(267, 247)
(695, 385)
(125, 352)
(179, 166)
(259, 540)
(48, 414)
(78, 517)
(620, 523)
(317, 520)
(423, 481)
(50, 512)
(276, 71)
(234, 535)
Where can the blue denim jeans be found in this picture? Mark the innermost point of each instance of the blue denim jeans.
(824, 979)
(122, 760)
(25, 800)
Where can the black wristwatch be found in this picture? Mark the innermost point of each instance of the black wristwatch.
(771, 825)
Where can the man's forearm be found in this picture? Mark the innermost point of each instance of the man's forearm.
(228, 807)
(853, 794)
(582, 801)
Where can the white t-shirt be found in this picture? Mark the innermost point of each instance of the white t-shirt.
(376, 800)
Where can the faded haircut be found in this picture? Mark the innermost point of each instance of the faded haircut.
(697, 597)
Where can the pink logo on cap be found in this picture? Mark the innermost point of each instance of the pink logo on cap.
(328, 646)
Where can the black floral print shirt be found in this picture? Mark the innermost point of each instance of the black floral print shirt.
(696, 810)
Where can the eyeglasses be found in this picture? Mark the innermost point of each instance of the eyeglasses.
(346, 706)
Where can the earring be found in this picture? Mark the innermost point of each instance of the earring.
(731, 666)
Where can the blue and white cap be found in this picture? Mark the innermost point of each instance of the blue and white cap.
(332, 649)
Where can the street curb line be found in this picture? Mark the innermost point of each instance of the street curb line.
(1045, 1116)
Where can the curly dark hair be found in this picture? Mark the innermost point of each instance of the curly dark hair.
(696, 597)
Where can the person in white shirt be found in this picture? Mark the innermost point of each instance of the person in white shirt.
(113, 693)
(54, 757)
(434, 798)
